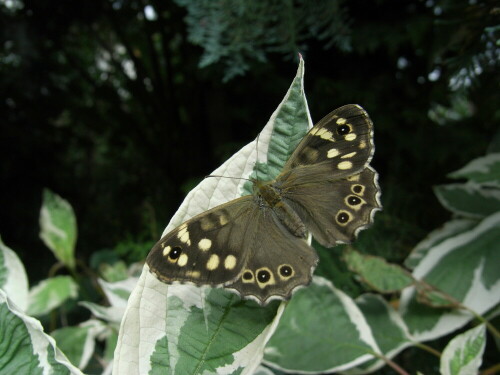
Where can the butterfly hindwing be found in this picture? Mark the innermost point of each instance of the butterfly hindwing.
(278, 263)
(335, 210)
(342, 141)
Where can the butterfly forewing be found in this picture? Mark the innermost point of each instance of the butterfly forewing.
(209, 248)
(341, 141)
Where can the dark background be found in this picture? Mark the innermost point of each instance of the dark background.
(121, 107)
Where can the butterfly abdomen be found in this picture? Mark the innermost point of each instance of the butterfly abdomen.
(270, 196)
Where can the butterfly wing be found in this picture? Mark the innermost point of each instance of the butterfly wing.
(210, 248)
(278, 263)
(342, 143)
(327, 181)
(335, 211)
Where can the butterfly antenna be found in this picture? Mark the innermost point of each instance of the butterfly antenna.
(234, 178)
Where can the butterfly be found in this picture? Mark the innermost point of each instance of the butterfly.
(256, 244)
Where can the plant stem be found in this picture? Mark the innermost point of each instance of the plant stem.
(393, 365)
(428, 348)
(492, 370)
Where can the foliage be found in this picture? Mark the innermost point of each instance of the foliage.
(185, 329)
(234, 32)
(105, 103)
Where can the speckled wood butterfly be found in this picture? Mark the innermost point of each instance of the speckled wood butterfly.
(256, 244)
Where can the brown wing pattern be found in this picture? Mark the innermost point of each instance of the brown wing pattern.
(209, 248)
(342, 141)
(335, 210)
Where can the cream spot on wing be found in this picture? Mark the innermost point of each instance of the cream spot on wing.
(167, 250)
(341, 121)
(313, 131)
(320, 132)
(230, 262)
(332, 153)
(349, 155)
(325, 134)
(205, 244)
(362, 144)
(345, 165)
(223, 219)
(311, 154)
(193, 274)
(206, 223)
(183, 236)
(353, 178)
(213, 262)
(350, 137)
(183, 259)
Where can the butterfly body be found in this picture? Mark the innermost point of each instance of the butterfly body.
(256, 244)
(269, 195)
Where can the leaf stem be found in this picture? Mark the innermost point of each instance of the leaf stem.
(492, 370)
(428, 348)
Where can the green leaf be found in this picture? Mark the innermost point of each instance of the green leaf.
(469, 200)
(290, 123)
(78, 343)
(387, 327)
(463, 355)
(465, 267)
(203, 330)
(114, 272)
(58, 227)
(117, 293)
(321, 330)
(484, 170)
(50, 294)
(13, 278)
(25, 348)
(377, 273)
(449, 229)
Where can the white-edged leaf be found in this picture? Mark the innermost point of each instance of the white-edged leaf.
(58, 227)
(117, 294)
(13, 278)
(170, 328)
(484, 170)
(321, 330)
(469, 200)
(464, 266)
(464, 354)
(449, 229)
(51, 293)
(25, 348)
(78, 343)
(388, 328)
